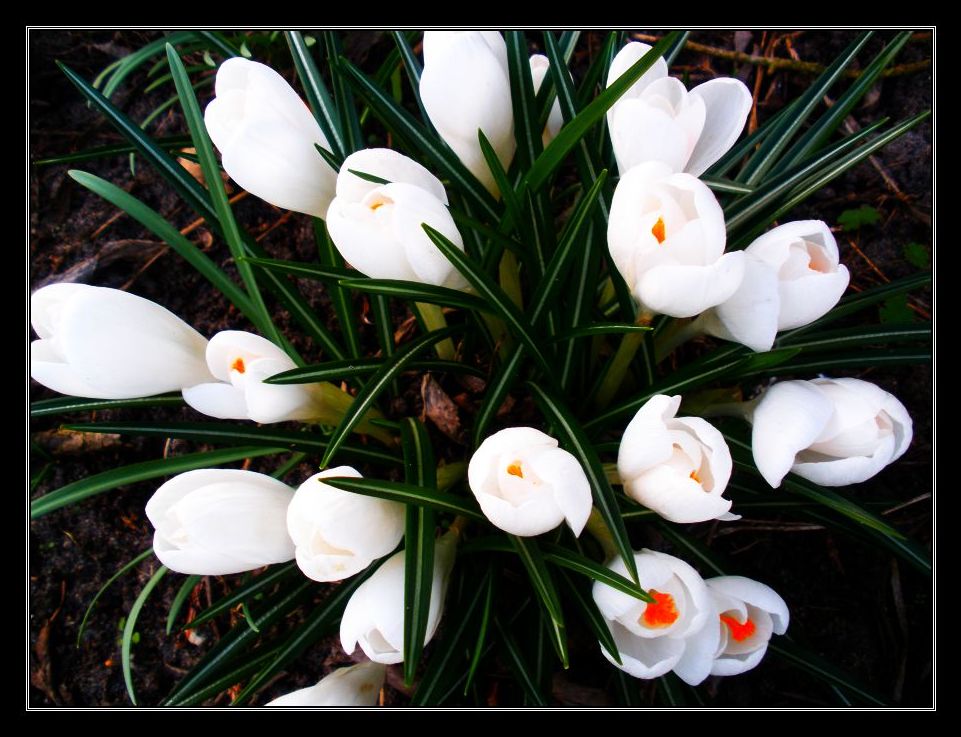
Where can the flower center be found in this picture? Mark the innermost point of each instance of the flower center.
(662, 613)
(238, 366)
(740, 631)
(695, 476)
(515, 469)
(658, 230)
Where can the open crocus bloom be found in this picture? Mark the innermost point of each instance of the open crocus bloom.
(465, 87)
(356, 685)
(108, 344)
(677, 466)
(747, 614)
(666, 236)
(831, 431)
(374, 616)
(540, 68)
(241, 361)
(792, 277)
(212, 522)
(338, 533)
(377, 227)
(266, 136)
(657, 119)
(652, 638)
(526, 485)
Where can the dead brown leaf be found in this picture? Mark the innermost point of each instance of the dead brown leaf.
(64, 442)
(440, 408)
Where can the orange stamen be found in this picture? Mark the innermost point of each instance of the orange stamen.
(238, 366)
(663, 613)
(695, 476)
(376, 205)
(658, 230)
(515, 470)
(739, 631)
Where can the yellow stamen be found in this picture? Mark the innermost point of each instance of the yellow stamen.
(515, 470)
(695, 476)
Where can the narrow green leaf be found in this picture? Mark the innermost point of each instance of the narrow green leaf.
(243, 593)
(377, 383)
(817, 666)
(235, 675)
(130, 565)
(496, 392)
(408, 494)
(169, 143)
(65, 405)
(514, 218)
(414, 71)
(417, 292)
(337, 370)
(692, 549)
(578, 563)
(482, 628)
(181, 596)
(490, 291)
(220, 43)
(92, 485)
(325, 272)
(343, 99)
(521, 668)
(601, 328)
(530, 555)
(591, 616)
(339, 296)
(862, 335)
(419, 470)
(571, 133)
(527, 128)
(574, 440)
(130, 627)
(318, 97)
(726, 186)
(133, 61)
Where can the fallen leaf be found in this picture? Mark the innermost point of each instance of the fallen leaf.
(64, 442)
(440, 408)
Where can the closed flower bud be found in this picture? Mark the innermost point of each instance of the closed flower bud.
(526, 485)
(677, 466)
(374, 616)
(465, 87)
(833, 432)
(338, 533)
(666, 236)
(356, 685)
(212, 522)
(651, 638)
(377, 227)
(657, 119)
(108, 344)
(266, 136)
(540, 68)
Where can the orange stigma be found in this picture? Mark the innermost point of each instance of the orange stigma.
(662, 613)
(515, 470)
(658, 230)
(238, 366)
(376, 205)
(695, 476)
(740, 632)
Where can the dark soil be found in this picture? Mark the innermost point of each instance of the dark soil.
(851, 602)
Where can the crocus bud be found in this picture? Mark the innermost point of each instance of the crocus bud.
(677, 466)
(465, 87)
(374, 616)
(211, 522)
(747, 614)
(338, 533)
(356, 685)
(377, 227)
(666, 236)
(540, 68)
(657, 119)
(651, 638)
(526, 485)
(793, 276)
(241, 361)
(266, 136)
(104, 343)
(830, 431)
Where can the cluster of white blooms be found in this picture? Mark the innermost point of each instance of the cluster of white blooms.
(667, 238)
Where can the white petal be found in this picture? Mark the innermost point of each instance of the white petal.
(357, 685)
(805, 300)
(365, 244)
(750, 315)
(626, 58)
(644, 658)
(227, 346)
(374, 615)
(47, 367)
(267, 403)
(699, 651)
(845, 471)
(756, 594)
(728, 103)
(482, 469)
(684, 291)
(46, 304)
(223, 401)
(570, 488)
(535, 516)
(641, 132)
(646, 441)
(790, 416)
(676, 497)
(719, 455)
(386, 164)
(733, 665)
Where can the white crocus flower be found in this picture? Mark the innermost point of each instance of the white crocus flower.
(212, 522)
(677, 466)
(240, 362)
(747, 614)
(652, 638)
(374, 616)
(356, 685)
(338, 533)
(666, 237)
(266, 136)
(109, 344)
(793, 276)
(830, 431)
(465, 87)
(657, 119)
(377, 227)
(540, 68)
(526, 485)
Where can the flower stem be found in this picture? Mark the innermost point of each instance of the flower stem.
(630, 344)
(332, 405)
(599, 529)
(510, 278)
(678, 333)
(432, 318)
